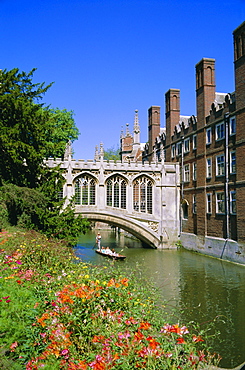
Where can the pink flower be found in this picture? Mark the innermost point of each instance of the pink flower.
(124, 335)
(64, 352)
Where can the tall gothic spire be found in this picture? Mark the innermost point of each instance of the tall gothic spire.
(136, 128)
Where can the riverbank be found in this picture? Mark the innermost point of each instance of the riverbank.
(60, 313)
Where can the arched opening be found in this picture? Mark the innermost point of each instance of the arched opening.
(116, 192)
(185, 206)
(142, 195)
(85, 191)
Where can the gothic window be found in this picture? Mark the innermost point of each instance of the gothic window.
(116, 192)
(85, 191)
(142, 195)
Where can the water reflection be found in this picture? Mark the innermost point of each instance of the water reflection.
(203, 289)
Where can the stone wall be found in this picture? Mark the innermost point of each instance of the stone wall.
(228, 250)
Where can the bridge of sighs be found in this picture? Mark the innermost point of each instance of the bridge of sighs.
(142, 199)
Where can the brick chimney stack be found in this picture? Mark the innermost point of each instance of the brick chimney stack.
(172, 112)
(153, 128)
(239, 61)
(205, 88)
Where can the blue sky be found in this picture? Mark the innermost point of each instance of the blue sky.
(108, 58)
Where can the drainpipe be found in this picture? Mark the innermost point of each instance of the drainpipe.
(227, 212)
(182, 182)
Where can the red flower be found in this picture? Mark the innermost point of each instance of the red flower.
(144, 325)
(98, 339)
(138, 336)
(180, 340)
(197, 339)
(153, 344)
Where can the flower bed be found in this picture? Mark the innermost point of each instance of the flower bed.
(57, 314)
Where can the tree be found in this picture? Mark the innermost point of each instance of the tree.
(28, 130)
(60, 129)
(112, 154)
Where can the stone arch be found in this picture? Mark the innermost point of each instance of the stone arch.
(143, 233)
(116, 174)
(87, 173)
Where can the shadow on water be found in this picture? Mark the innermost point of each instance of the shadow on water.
(202, 289)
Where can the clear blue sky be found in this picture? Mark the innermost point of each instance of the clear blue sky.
(108, 58)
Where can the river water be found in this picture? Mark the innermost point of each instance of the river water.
(202, 289)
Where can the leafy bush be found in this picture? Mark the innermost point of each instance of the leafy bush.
(34, 209)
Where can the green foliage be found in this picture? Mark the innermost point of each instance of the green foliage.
(42, 210)
(28, 130)
(112, 154)
(60, 129)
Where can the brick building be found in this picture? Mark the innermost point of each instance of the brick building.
(210, 147)
(211, 150)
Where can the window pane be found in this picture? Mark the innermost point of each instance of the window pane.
(92, 193)
(136, 196)
(220, 169)
(85, 193)
(123, 194)
(142, 198)
(233, 202)
(220, 133)
(209, 203)
(233, 162)
(208, 136)
(220, 206)
(209, 167)
(149, 197)
(77, 192)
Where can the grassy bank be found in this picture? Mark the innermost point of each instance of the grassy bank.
(58, 312)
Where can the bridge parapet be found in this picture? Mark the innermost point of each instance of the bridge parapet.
(142, 198)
